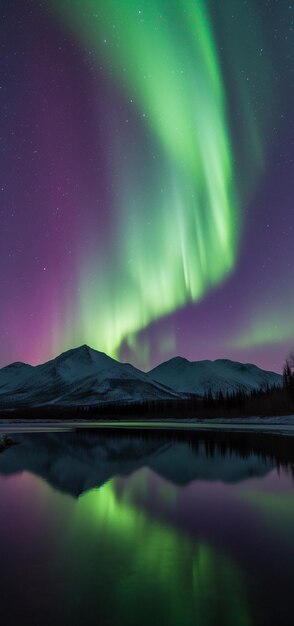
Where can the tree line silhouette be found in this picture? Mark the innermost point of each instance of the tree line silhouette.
(272, 401)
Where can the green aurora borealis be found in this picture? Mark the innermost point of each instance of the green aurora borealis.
(178, 231)
(146, 214)
(176, 244)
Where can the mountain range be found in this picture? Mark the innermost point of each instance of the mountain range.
(83, 376)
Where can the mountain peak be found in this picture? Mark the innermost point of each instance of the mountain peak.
(85, 348)
(179, 359)
(18, 364)
(174, 362)
(83, 352)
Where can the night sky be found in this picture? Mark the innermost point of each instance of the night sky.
(147, 179)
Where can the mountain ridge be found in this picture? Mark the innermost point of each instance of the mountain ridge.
(84, 376)
(220, 375)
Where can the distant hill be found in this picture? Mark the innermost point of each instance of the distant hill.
(199, 377)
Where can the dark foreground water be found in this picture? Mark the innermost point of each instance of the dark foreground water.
(127, 528)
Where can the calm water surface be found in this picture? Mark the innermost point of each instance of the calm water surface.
(130, 528)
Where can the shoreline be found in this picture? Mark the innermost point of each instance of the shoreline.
(283, 425)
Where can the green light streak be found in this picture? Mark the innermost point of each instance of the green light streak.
(177, 216)
(269, 328)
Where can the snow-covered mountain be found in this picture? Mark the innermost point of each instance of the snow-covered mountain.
(78, 376)
(223, 375)
(83, 376)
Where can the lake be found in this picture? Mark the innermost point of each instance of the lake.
(129, 527)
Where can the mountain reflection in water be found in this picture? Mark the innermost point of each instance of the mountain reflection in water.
(144, 527)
